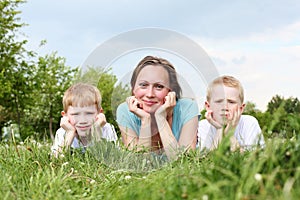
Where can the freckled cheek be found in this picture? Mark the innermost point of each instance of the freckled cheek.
(72, 119)
(233, 109)
(91, 118)
(217, 106)
(161, 96)
(138, 93)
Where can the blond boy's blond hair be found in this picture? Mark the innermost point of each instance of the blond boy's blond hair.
(82, 95)
(228, 81)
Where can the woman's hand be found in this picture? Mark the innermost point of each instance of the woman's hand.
(166, 110)
(136, 108)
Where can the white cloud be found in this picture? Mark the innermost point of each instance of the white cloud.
(267, 63)
(257, 41)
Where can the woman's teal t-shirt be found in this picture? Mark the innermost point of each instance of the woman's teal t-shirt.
(184, 110)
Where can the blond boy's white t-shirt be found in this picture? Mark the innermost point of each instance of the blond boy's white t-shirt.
(248, 133)
(108, 133)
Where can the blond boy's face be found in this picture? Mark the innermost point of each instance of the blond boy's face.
(224, 103)
(82, 118)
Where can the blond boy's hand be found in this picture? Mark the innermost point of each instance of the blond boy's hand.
(66, 125)
(70, 131)
(100, 120)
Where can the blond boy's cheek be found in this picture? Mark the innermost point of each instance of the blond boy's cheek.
(72, 121)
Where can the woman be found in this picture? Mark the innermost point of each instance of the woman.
(155, 116)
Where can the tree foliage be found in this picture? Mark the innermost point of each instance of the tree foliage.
(15, 67)
(285, 116)
(31, 91)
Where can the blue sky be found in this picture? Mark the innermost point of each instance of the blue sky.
(256, 41)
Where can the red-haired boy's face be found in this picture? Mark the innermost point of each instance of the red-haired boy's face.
(224, 103)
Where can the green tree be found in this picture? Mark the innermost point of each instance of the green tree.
(15, 70)
(285, 116)
(275, 103)
(250, 108)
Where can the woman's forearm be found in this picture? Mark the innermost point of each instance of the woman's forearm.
(168, 139)
(144, 139)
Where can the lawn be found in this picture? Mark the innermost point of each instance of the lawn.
(110, 172)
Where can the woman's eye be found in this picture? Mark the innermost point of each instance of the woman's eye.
(143, 85)
(160, 86)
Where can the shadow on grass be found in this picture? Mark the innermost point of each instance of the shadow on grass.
(120, 158)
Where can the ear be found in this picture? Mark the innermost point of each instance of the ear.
(207, 105)
(242, 107)
(63, 113)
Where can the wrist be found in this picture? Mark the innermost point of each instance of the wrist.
(71, 133)
(69, 137)
(145, 121)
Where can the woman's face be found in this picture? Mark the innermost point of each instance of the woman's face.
(151, 87)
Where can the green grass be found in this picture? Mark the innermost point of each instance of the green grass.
(107, 172)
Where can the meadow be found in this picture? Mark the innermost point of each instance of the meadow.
(110, 172)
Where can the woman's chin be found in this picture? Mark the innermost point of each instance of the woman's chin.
(151, 109)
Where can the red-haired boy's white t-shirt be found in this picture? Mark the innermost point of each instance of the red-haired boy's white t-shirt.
(248, 133)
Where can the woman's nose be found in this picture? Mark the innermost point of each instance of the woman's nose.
(150, 91)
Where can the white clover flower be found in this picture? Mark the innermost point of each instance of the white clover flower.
(64, 164)
(92, 181)
(39, 145)
(205, 197)
(258, 177)
(127, 177)
(69, 191)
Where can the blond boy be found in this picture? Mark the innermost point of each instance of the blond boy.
(82, 119)
(224, 107)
